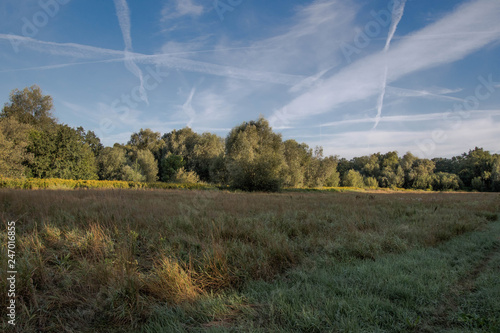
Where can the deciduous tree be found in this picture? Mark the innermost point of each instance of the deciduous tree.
(30, 106)
(255, 157)
(14, 138)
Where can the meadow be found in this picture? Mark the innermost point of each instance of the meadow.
(165, 260)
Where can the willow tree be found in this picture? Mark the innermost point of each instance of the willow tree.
(254, 157)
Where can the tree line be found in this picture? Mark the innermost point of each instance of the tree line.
(252, 157)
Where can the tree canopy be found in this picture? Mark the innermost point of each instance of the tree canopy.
(252, 157)
(30, 106)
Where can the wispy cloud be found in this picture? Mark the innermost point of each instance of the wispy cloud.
(480, 130)
(178, 8)
(305, 47)
(123, 14)
(397, 15)
(188, 109)
(438, 94)
(309, 81)
(82, 111)
(306, 44)
(73, 50)
(439, 116)
(167, 60)
(470, 27)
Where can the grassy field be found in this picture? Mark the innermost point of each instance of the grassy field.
(215, 261)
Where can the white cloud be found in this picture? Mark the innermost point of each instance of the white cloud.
(443, 135)
(397, 15)
(207, 108)
(441, 116)
(123, 14)
(469, 28)
(432, 93)
(178, 8)
(309, 81)
(307, 44)
(61, 49)
(166, 60)
(188, 109)
(185, 49)
(307, 47)
(82, 111)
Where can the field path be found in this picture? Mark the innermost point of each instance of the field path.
(451, 302)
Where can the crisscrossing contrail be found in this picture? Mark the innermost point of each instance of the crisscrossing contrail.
(397, 14)
(123, 13)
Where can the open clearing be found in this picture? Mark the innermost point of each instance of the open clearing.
(214, 261)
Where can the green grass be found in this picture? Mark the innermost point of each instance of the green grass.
(213, 261)
(408, 292)
(478, 304)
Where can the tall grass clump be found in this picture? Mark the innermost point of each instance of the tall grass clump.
(172, 283)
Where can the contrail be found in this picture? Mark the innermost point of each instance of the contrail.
(397, 14)
(123, 14)
(188, 107)
(188, 65)
(165, 59)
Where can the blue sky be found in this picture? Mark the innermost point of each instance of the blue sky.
(356, 77)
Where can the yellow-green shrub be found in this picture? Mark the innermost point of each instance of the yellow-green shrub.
(54, 183)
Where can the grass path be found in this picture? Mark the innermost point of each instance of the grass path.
(454, 287)
(450, 307)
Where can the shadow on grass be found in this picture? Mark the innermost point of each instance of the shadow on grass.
(395, 293)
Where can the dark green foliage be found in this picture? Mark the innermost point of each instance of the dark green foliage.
(181, 142)
(13, 143)
(170, 165)
(252, 158)
(353, 179)
(111, 162)
(297, 157)
(371, 182)
(202, 154)
(60, 153)
(147, 164)
(390, 177)
(444, 181)
(91, 139)
(218, 172)
(255, 157)
(372, 166)
(495, 175)
(29, 106)
(344, 166)
(207, 150)
(146, 139)
(420, 176)
(48, 149)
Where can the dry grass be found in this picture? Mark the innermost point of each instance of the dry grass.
(170, 282)
(95, 259)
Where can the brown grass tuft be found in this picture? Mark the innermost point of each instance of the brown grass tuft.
(170, 282)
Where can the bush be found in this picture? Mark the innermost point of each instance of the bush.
(54, 183)
(477, 183)
(183, 176)
(353, 179)
(371, 182)
(446, 181)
